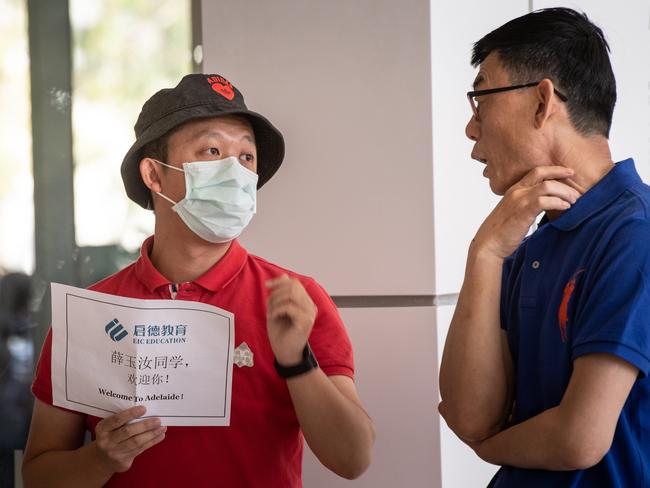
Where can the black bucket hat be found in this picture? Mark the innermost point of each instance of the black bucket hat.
(197, 96)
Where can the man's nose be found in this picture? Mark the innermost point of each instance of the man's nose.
(228, 150)
(472, 130)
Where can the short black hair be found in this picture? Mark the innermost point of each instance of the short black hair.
(566, 47)
(157, 149)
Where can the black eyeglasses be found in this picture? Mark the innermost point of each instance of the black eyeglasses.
(471, 95)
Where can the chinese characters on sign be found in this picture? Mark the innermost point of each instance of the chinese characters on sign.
(110, 353)
(148, 363)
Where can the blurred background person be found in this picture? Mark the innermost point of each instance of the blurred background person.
(16, 369)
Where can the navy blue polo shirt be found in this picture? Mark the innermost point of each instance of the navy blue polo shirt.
(578, 285)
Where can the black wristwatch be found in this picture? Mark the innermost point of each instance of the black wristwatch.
(307, 364)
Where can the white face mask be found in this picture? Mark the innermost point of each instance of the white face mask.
(220, 198)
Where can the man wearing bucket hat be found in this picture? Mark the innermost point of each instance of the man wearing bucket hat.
(198, 159)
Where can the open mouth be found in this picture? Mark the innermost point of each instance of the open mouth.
(483, 161)
(476, 157)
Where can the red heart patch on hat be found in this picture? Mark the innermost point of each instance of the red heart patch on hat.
(224, 90)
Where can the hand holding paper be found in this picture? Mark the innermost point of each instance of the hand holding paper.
(119, 442)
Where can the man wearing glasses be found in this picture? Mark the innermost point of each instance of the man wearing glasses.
(545, 364)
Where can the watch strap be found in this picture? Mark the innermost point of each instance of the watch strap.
(307, 364)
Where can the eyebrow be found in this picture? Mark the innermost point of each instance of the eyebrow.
(219, 135)
(479, 79)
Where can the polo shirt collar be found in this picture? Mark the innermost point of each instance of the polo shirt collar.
(621, 177)
(217, 277)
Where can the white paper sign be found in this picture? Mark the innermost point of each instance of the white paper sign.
(110, 353)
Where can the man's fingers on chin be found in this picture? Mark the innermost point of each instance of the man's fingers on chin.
(541, 173)
(553, 203)
(554, 188)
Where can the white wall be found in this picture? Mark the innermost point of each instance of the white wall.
(462, 196)
(378, 194)
(396, 378)
(348, 83)
(460, 466)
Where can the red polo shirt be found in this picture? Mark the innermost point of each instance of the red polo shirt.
(263, 445)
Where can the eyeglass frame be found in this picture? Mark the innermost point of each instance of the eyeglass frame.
(490, 91)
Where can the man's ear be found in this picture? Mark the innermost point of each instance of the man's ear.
(149, 172)
(546, 102)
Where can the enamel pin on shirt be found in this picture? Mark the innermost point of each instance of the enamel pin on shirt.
(243, 356)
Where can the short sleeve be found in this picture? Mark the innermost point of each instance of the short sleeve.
(613, 312)
(329, 339)
(42, 384)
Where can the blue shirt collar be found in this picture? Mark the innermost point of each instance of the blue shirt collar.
(621, 177)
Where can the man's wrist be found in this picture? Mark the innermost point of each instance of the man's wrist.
(481, 252)
(306, 363)
(97, 462)
(285, 359)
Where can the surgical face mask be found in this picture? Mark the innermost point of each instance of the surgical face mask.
(220, 198)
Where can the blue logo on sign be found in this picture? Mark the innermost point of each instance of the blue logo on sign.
(115, 330)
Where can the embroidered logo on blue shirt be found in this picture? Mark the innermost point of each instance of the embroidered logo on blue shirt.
(563, 311)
